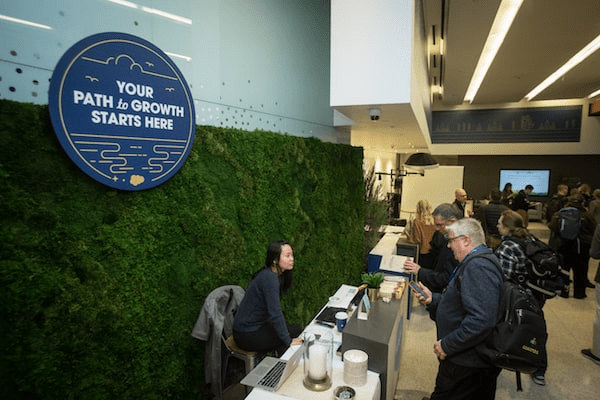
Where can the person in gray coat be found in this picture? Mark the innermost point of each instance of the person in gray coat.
(214, 322)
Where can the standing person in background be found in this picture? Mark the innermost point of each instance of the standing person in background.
(586, 191)
(594, 208)
(594, 353)
(557, 201)
(521, 203)
(259, 324)
(489, 214)
(575, 253)
(507, 195)
(460, 201)
(421, 232)
(465, 314)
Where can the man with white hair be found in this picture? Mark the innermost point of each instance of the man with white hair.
(465, 314)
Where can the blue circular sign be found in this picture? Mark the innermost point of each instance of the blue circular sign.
(122, 111)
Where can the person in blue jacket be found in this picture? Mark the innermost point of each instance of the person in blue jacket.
(465, 314)
(259, 323)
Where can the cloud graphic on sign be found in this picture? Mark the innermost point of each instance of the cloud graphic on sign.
(133, 64)
(136, 180)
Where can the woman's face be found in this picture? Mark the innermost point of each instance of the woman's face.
(286, 258)
(501, 228)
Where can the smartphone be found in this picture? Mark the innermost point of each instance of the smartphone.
(418, 289)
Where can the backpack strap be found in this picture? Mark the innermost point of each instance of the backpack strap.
(487, 254)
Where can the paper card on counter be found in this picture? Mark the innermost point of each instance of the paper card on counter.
(394, 263)
(342, 297)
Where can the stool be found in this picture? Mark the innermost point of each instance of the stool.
(249, 357)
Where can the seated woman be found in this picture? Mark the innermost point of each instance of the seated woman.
(259, 324)
(421, 232)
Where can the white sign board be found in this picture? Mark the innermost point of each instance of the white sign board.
(437, 186)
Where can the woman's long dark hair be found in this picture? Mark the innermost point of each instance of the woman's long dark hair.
(515, 224)
(272, 259)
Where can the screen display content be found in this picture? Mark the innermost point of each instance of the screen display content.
(538, 178)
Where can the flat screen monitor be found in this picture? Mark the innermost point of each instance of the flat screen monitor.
(538, 178)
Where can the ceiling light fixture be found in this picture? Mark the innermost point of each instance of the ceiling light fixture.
(416, 161)
(596, 93)
(154, 11)
(504, 18)
(24, 22)
(576, 59)
(125, 3)
(421, 161)
(167, 15)
(186, 58)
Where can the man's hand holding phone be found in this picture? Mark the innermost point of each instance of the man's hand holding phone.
(423, 294)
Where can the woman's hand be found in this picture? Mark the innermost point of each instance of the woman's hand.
(296, 341)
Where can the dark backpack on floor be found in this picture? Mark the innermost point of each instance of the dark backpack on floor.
(518, 341)
(544, 272)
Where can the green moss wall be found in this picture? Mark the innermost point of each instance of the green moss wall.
(99, 289)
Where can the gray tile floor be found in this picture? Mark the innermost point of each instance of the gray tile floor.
(570, 375)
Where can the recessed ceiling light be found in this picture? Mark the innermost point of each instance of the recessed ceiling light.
(576, 59)
(504, 18)
(25, 22)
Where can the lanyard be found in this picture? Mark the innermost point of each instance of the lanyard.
(475, 250)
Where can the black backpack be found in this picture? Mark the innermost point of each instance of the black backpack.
(545, 274)
(518, 341)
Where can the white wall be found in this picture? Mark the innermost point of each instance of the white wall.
(371, 49)
(420, 92)
(255, 64)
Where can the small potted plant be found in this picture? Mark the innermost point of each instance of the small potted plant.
(373, 281)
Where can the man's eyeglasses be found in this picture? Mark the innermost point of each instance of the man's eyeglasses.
(449, 239)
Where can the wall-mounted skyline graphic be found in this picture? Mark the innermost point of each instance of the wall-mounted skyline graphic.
(521, 125)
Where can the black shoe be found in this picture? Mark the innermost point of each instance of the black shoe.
(565, 294)
(579, 296)
(588, 354)
(590, 285)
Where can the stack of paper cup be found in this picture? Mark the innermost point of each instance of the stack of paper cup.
(355, 367)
